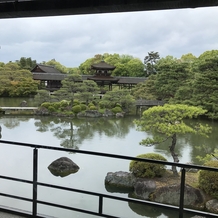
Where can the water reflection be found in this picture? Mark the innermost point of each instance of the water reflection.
(73, 131)
(109, 135)
(12, 121)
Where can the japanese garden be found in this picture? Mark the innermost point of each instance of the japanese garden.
(181, 96)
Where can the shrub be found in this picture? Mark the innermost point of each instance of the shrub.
(146, 169)
(76, 102)
(118, 105)
(51, 108)
(76, 109)
(91, 104)
(208, 180)
(116, 110)
(56, 105)
(46, 105)
(102, 104)
(92, 107)
(83, 107)
(64, 103)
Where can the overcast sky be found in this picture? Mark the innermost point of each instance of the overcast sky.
(71, 40)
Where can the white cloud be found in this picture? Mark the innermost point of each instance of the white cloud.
(73, 39)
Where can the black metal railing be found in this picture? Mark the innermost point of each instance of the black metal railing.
(35, 184)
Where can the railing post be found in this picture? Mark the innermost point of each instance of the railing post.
(182, 193)
(100, 205)
(35, 172)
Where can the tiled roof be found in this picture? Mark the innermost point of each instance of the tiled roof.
(131, 80)
(102, 66)
(45, 69)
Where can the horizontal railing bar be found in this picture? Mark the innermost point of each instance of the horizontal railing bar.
(111, 155)
(16, 197)
(99, 194)
(16, 179)
(75, 209)
(138, 201)
(202, 213)
(19, 212)
(110, 196)
(16, 212)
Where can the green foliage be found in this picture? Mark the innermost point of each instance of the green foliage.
(92, 107)
(27, 63)
(64, 103)
(76, 102)
(51, 108)
(76, 109)
(116, 109)
(150, 60)
(42, 96)
(205, 86)
(126, 65)
(170, 119)
(121, 97)
(206, 154)
(104, 104)
(16, 82)
(146, 90)
(87, 91)
(146, 169)
(57, 65)
(83, 107)
(46, 105)
(56, 105)
(166, 122)
(208, 180)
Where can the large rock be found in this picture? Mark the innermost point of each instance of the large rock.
(63, 167)
(193, 198)
(42, 111)
(23, 103)
(108, 113)
(143, 188)
(120, 179)
(212, 206)
(90, 113)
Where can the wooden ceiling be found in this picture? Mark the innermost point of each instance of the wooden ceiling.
(38, 8)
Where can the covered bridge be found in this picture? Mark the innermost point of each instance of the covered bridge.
(50, 78)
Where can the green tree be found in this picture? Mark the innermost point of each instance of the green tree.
(87, 91)
(171, 75)
(146, 90)
(116, 97)
(150, 60)
(16, 82)
(57, 65)
(135, 68)
(188, 58)
(70, 85)
(126, 65)
(41, 97)
(167, 122)
(205, 86)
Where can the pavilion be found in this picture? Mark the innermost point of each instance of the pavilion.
(103, 74)
(50, 78)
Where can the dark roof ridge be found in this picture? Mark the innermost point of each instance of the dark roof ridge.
(43, 65)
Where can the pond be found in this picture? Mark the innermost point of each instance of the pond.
(108, 135)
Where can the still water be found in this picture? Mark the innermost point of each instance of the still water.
(115, 136)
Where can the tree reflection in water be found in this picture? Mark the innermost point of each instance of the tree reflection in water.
(73, 131)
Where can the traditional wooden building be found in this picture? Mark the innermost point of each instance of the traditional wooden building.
(102, 74)
(50, 78)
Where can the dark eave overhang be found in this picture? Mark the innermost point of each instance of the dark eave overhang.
(38, 8)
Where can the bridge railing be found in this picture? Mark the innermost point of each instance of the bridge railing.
(143, 102)
(101, 197)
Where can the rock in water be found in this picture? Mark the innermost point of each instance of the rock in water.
(63, 167)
